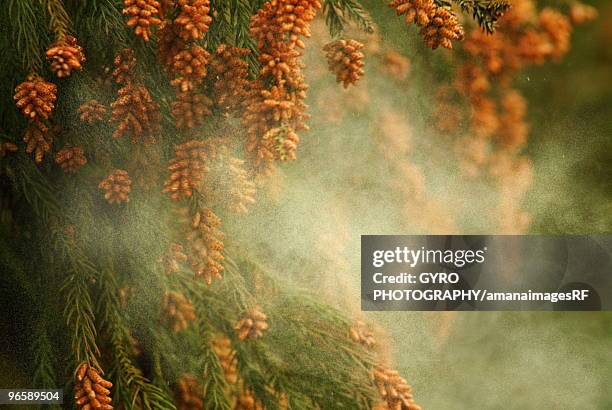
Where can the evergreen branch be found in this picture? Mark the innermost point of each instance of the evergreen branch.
(214, 382)
(97, 24)
(23, 18)
(242, 12)
(12, 263)
(42, 352)
(231, 26)
(131, 387)
(59, 22)
(305, 348)
(337, 12)
(34, 188)
(485, 12)
(44, 374)
(78, 312)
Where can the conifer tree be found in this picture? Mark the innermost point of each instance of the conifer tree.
(130, 131)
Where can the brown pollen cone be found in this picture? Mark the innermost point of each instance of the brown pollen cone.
(359, 333)
(177, 311)
(443, 27)
(188, 167)
(415, 11)
(38, 138)
(345, 60)
(91, 391)
(485, 120)
(194, 19)
(188, 393)
(204, 243)
(136, 114)
(143, 15)
(169, 44)
(65, 56)
(91, 112)
(397, 65)
(229, 75)
(125, 66)
(558, 28)
(70, 158)
(222, 346)
(394, 389)
(35, 97)
(246, 401)
(190, 109)
(513, 128)
(240, 192)
(190, 67)
(117, 186)
(490, 48)
(252, 325)
(281, 143)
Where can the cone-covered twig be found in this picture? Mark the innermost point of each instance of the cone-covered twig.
(277, 99)
(394, 389)
(169, 44)
(35, 98)
(136, 114)
(204, 243)
(91, 391)
(70, 158)
(228, 73)
(414, 11)
(117, 185)
(65, 56)
(222, 347)
(143, 15)
(252, 325)
(177, 311)
(193, 19)
(38, 138)
(125, 66)
(359, 333)
(91, 112)
(188, 167)
(189, 393)
(442, 28)
(345, 60)
(190, 67)
(190, 109)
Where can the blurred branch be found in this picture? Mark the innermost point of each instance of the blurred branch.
(484, 12)
(130, 384)
(339, 12)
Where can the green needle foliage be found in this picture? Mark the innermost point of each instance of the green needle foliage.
(73, 252)
(339, 12)
(130, 385)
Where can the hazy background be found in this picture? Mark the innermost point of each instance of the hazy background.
(347, 182)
